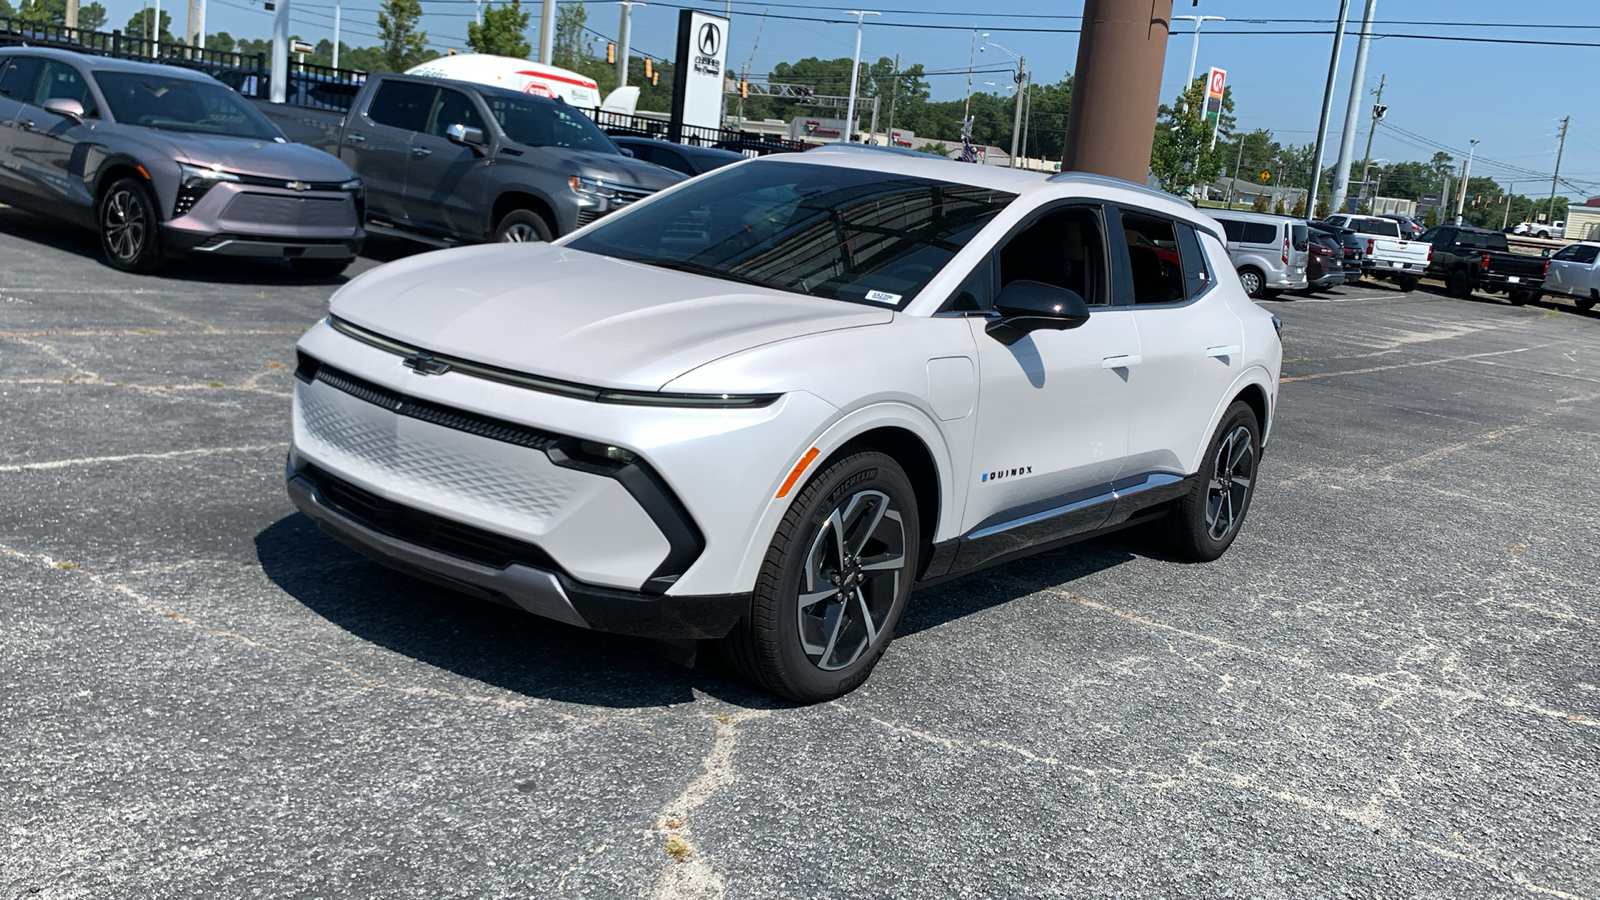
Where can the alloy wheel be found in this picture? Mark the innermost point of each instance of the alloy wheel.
(521, 233)
(125, 224)
(1231, 477)
(1250, 282)
(851, 579)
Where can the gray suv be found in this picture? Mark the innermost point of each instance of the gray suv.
(162, 162)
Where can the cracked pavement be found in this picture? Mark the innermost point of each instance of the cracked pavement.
(1388, 687)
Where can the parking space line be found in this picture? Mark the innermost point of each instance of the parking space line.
(1410, 365)
(170, 454)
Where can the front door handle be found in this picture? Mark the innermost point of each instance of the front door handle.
(420, 151)
(27, 125)
(1229, 350)
(1120, 362)
(355, 139)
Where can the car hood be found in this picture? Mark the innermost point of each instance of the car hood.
(576, 316)
(615, 168)
(252, 156)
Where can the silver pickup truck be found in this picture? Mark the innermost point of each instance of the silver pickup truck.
(1389, 256)
(454, 162)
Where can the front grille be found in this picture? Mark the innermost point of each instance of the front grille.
(425, 529)
(623, 196)
(585, 216)
(291, 212)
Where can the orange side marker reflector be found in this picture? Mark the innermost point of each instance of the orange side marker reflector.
(143, 172)
(794, 474)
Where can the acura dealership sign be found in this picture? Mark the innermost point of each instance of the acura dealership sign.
(698, 83)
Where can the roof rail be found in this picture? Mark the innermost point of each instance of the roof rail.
(1123, 183)
(842, 147)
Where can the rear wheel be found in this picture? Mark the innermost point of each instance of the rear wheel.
(130, 227)
(1521, 298)
(320, 268)
(1586, 305)
(1208, 517)
(1252, 281)
(1458, 284)
(833, 584)
(522, 226)
(1409, 284)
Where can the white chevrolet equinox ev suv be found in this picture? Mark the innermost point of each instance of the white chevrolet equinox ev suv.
(762, 405)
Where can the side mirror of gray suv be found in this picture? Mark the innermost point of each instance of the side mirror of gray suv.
(70, 109)
(1026, 306)
(465, 135)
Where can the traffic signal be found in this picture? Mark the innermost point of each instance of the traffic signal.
(648, 71)
(611, 52)
(656, 78)
(744, 88)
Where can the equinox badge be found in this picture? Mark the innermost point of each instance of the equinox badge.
(423, 364)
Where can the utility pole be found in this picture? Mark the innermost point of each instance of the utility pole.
(1327, 106)
(1466, 172)
(72, 14)
(279, 90)
(1347, 139)
(155, 34)
(337, 12)
(1506, 216)
(1378, 109)
(1237, 157)
(1550, 211)
(624, 36)
(855, 74)
(1016, 121)
(894, 94)
(547, 32)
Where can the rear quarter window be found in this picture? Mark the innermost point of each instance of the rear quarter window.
(1260, 233)
(1383, 227)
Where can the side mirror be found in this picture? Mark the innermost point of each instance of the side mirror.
(626, 152)
(69, 109)
(465, 135)
(1026, 306)
(1545, 253)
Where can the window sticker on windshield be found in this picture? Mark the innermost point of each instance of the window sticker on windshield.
(883, 297)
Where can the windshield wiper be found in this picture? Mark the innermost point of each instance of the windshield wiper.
(681, 265)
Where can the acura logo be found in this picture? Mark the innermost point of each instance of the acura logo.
(710, 39)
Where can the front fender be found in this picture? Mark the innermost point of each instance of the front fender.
(830, 440)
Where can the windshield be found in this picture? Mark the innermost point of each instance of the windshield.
(181, 104)
(845, 234)
(544, 124)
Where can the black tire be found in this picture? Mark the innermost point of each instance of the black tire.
(522, 226)
(1409, 284)
(1458, 284)
(1545, 235)
(827, 649)
(1195, 529)
(1253, 281)
(1521, 298)
(130, 226)
(321, 268)
(1585, 305)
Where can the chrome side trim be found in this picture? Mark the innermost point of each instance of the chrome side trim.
(1145, 483)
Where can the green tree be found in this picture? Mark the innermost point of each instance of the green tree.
(502, 31)
(221, 41)
(1261, 203)
(403, 45)
(1182, 154)
(6, 11)
(1322, 205)
(91, 16)
(1299, 211)
(139, 25)
(572, 46)
(936, 147)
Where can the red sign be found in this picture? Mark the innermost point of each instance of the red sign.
(1218, 80)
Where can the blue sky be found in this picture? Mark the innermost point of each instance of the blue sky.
(1510, 97)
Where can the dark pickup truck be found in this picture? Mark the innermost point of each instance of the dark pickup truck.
(454, 162)
(1469, 259)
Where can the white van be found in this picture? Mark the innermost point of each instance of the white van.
(529, 78)
(1269, 252)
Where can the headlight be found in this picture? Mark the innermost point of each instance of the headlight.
(353, 186)
(591, 187)
(203, 176)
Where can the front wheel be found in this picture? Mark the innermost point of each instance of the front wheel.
(1208, 517)
(521, 226)
(130, 227)
(833, 584)
(1586, 304)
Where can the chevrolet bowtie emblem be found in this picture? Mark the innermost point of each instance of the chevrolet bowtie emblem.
(298, 186)
(423, 364)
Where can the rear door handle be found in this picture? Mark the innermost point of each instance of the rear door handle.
(355, 139)
(1120, 362)
(1230, 350)
(420, 151)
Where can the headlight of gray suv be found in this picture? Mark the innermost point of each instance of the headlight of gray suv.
(193, 182)
(584, 186)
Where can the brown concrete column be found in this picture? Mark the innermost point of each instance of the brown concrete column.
(1116, 88)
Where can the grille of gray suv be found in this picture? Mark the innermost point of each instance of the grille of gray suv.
(290, 212)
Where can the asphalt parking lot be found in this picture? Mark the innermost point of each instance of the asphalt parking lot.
(1389, 687)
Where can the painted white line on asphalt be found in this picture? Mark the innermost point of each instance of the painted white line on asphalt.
(171, 454)
(1410, 365)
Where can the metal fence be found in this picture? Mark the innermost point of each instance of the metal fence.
(747, 142)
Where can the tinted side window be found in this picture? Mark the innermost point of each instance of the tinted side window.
(401, 104)
(1568, 254)
(62, 82)
(1153, 259)
(1585, 254)
(1233, 229)
(1260, 233)
(452, 108)
(976, 294)
(1196, 274)
(672, 160)
(17, 81)
(1064, 249)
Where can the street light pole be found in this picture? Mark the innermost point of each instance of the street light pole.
(624, 37)
(1194, 46)
(1466, 172)
(855, 73)
(1327, 107)
(1022, 74)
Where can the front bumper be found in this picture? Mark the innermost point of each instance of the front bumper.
(264, 222)
(541, 591)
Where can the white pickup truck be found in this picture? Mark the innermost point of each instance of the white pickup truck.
(1389, 256)
(1542, 229)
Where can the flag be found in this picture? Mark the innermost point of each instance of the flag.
(968, 155)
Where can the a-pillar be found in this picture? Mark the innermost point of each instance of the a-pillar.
(1116, 88)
